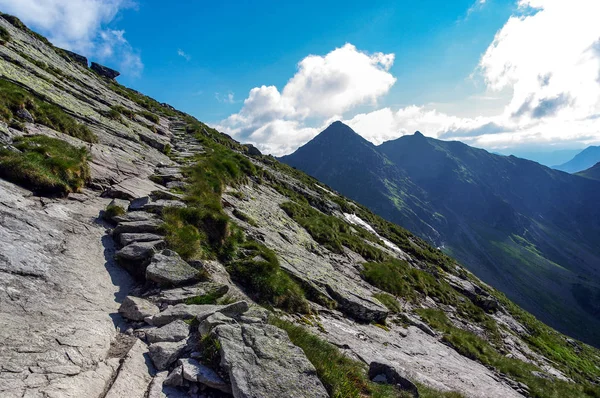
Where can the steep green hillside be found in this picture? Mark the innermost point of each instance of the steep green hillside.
(528, 230)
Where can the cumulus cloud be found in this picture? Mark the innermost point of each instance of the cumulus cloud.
(79, 25)
(322, 88)
(228, 98)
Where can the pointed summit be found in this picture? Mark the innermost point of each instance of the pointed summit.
(338, 131)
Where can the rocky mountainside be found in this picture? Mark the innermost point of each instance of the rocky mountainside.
(144, 254)
(509, 220)
(582, 161)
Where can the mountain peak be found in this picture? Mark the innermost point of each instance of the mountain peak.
(418, 134)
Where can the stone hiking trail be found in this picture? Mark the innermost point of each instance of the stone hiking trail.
(96, 308)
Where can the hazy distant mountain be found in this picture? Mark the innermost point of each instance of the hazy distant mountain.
(528, 230)
(544, 157)
(592, 173)
(582, 161)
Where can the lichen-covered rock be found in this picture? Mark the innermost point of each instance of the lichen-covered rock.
(70, 55)
(171, 332)
(104, 71)
(136, 309)
(261, 361)
(25, 115)
(212, 321)
(168, 269)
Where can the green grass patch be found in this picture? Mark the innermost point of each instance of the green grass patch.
(259, 271)
(389, 301)
(210, 298)
(332, 232)
(150, 116)
(476, 348)
(397, 277)
(112, 211)
(47, 166)
(14, 97)
(244, 217)
(342, 376)
(4, 35)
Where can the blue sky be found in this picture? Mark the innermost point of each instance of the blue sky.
(497, 74)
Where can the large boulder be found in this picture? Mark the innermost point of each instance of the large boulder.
(261, 361)
(136, 309)
(168, 269)
(104, 71)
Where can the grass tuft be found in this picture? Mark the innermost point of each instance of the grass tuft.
(113, 211)
(4, 35)
(14, 97)
(47, 166)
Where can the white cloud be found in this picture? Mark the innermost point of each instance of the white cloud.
(323, 87)
(228, 98)
(547, 57)
(183, 54)
(79, 25)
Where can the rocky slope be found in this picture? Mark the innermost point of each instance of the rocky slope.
(186, 267)
(528, 230)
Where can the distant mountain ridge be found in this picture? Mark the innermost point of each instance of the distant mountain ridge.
(528, 230)
(591, 173)
(582, 161)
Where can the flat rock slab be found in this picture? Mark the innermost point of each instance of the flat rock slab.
(132, 188)
(128, 238)
(154, 206)
(146, 226)
(168, 269)
(196, 372)
(179, 295)
(136, 309)
(135, 216)
(200, 312)
(262, 362)
(171, 332)
(134, 375)
(165, 353)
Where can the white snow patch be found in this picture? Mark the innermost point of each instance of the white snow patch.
(356, 220)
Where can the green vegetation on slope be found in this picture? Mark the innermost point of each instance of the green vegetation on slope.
(4, 35)
(47, 166)
(332, 232)
(14, 97)
(476, 348)
(204, 230)
(342, 376)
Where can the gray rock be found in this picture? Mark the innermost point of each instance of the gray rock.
(171, 332)
(131, 188)
(212, 321)
(155, 141)
(25, 115)
(176, 185)
(252, 150)
(385, 373)
(200, 312)
(196, 372)
(165, 353)
(136, 257)
(146, 226)
(135, 216)
(153, 206)
(165, 195)
(179, 295)
(175, 378)
(71, 56)
(168, 269)
(136, 309)
(104, 71)
(261, 361)
(128, 238)
(361, 308)
(134, 376)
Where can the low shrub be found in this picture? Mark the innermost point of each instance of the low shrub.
(244, 217)
(150, 116)
(389, 301)
(112, 211)
(47, 166)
